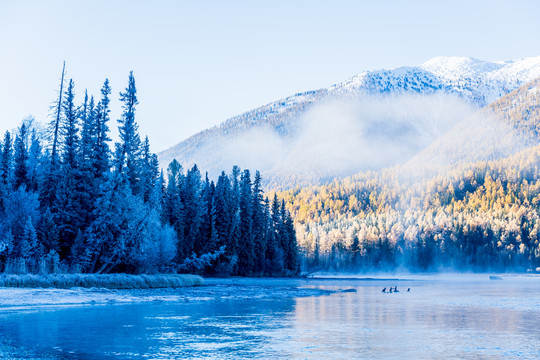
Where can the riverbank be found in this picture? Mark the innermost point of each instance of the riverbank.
(107, 281)
(19, 298)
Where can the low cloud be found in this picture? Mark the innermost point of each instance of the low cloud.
(338, 138)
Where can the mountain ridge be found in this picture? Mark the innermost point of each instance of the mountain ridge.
(477, 82)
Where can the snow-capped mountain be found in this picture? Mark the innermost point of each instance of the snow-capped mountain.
(266, 138)
(479, 81)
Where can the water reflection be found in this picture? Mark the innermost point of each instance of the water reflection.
(438, 319)
(158, 331)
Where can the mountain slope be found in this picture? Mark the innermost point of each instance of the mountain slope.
(272, 138)
(506, 126)
(478, 211)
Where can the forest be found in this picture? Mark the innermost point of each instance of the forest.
(478, 215)
(74, 202)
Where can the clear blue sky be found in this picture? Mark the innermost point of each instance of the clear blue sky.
(198, 63)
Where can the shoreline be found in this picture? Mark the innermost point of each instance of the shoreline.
(213, 289)
(107, 281)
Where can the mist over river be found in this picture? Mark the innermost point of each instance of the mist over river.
(459, 316)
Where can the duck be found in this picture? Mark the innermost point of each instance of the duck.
(395, 289)
(390, 290)
(408, 289)
(383, 290)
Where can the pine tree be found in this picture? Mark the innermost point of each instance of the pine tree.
(101, 148)
(223, 220)
(88, 135)
(190, 196)
(258, 225)
(5, 169)
(234, 210)
(86, 162)
(277, 263)
(55, 125)
(290, 247)
(246, 246)
(127, 151)
(149, 170)
(67, 208)
(34, 162)
(70, 130)
(173, 208)
(20, 173)
(51, 182)
(6, 160)
(208, 236)
(29, 241)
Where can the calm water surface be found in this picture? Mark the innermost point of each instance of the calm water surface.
(467, 317)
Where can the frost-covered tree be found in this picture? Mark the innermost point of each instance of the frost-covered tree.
(128, 149)
(68, 207)
(246, 245)
(20, 172)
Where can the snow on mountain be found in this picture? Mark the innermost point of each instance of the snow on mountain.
(481, 82)
(261, 138)
(503, 128)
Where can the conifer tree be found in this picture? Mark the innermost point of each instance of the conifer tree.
(5, 169)
(6, 160)
(101, 148)
(208, 237)
(272, 260)
(55, 125)
(29, 242)
(223, 219)
(258, 225)
(246, 246)
(87, 162)
(67, 208)
(277, 234)
(34, 162)
(233, 211)
(20, 172)
(127, 150)
(290, 248)
(51, 182)
(70, 130)
(190, 196)
(149, 170)
(173, 209)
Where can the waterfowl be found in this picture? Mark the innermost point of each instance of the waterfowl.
(383, 290)
(408, 289)
(395, 289)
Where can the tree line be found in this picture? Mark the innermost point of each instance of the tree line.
(72, 202)
(442, 211)
(482, 216)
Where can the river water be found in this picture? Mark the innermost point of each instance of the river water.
(442, 317)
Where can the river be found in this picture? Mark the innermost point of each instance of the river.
(462, 317)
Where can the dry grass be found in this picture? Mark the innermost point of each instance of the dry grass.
(109, 281)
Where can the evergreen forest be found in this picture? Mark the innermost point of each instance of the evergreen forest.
(72, 201)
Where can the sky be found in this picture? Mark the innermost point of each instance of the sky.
(199, 63)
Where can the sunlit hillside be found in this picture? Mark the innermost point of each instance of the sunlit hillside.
(475, 215)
